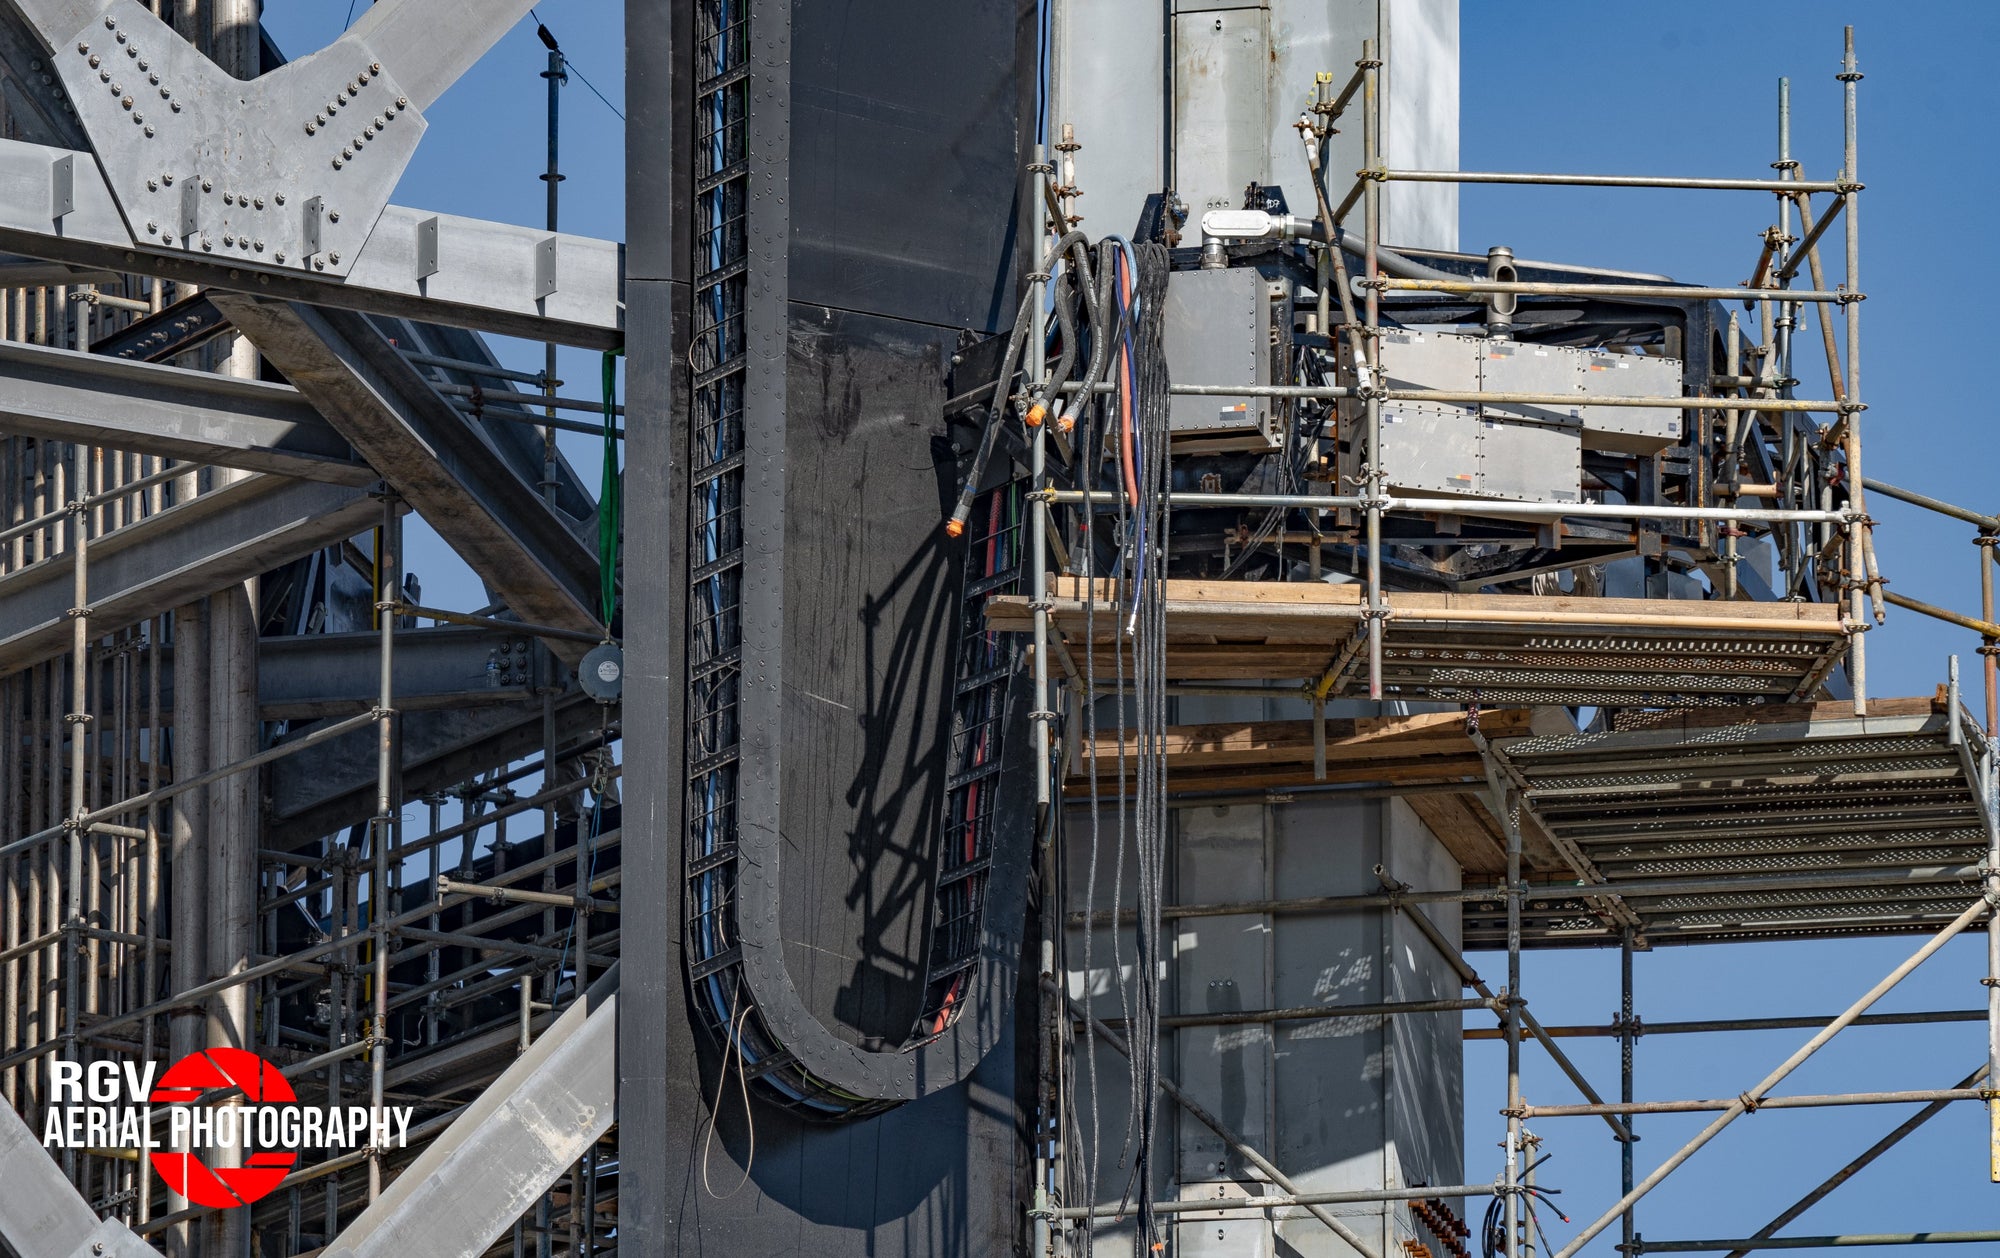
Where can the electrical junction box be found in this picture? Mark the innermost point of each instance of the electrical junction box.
(1494, 448)
(1227, 327)
(1472, 449)
(1631, 429)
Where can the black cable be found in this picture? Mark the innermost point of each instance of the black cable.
(1148, 637)
(569, 67)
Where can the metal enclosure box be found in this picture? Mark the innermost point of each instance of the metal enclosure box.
(1226, 327)
(1477, 450)
(1630, 429)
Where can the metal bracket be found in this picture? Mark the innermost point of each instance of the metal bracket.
(62, 187)
(545, 268)
(427, 248)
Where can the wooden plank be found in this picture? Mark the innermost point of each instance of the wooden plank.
(1464, 831)
(1429, 770)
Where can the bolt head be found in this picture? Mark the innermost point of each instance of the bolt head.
(154, 79)
(333, 216)
(318, 265)
(208, 185)
(83, 47)
(152, 229)
(96, 61)
(279, 255)
(280, 198)
(337, 163)
(228, 198)
(258, 202)
(121, 37)
(311, 128)
(110, 23)
(104, 76)
(167, 180)
(126, 101)
(149, 130)
(228, 240)
(152, 185)
(207, 246)
(333, 258)
(176, 106)
(258, 245)
(347, 153)
(132, 51)
(375, 66)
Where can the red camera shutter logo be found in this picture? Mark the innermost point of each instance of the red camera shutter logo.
(183, 1084)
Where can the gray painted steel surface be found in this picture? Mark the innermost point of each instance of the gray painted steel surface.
(190, 550)
(434, 457)
(197, 416)
(509, 1145)
(487, 282)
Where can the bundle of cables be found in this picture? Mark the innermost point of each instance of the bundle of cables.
(1493, 1228)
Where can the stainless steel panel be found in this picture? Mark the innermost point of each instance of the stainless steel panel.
(1514, 367)
(1630, 429)
(1431, 360)
(1221, 85)
(1431, 448)
(1529, 462)
(1104, 78)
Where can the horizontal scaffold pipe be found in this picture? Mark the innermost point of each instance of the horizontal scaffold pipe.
(1478, 506)
(1671, 292)
(1427, 1192)
(1784, 186)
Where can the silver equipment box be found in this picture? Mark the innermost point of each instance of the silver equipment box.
(1630, 429)
(1227, 327)
(1477, 450)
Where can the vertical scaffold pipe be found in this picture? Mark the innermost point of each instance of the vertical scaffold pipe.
(1857, 545)
(1628, 1041)
(1041, 716)
(379, 910)
(1371, 143)
(1509, 803)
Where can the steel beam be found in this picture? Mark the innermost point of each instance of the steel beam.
(196, 416)
(487, 277)
(187, 551)
(319, 675)
(41, 1214)
(433, 456)
(507, 1147)
(326, 788)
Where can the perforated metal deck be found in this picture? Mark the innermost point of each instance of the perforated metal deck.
(1795, 820)
(1465, 648)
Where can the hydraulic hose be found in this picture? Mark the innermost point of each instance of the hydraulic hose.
(997, 409)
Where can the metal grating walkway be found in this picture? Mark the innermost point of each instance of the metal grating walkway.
(1794, 820)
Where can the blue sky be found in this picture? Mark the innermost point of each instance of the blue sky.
(1686, 88)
